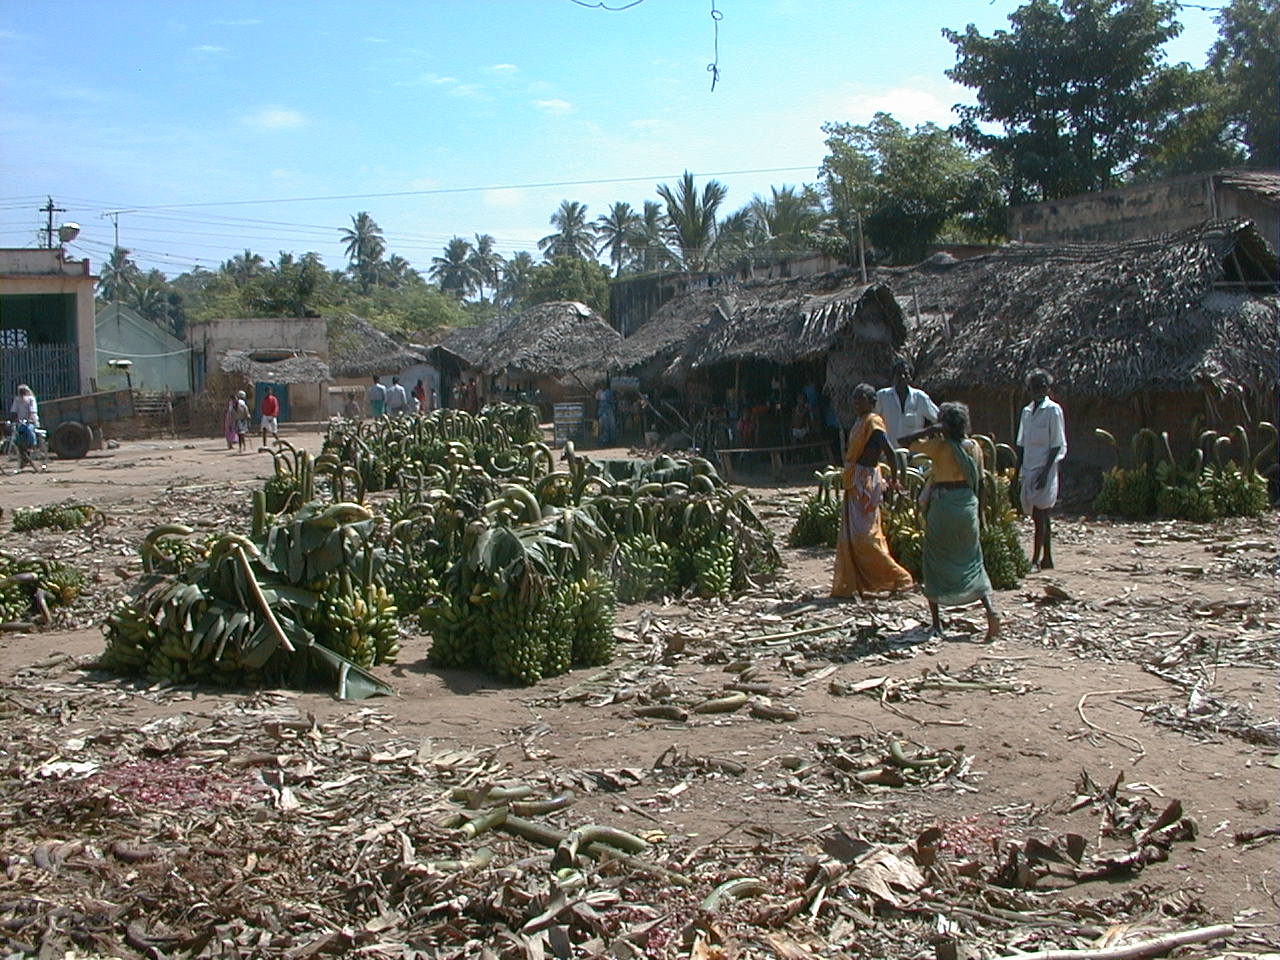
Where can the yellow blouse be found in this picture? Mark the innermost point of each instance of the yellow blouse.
(945, 467)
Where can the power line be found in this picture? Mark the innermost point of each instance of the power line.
(447, 190)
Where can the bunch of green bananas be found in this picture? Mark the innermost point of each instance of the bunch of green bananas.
(645, 568)
(1237, 494)
(282, 487)
(63, 516)
(1128, 493)
(592, 611)
(818, 523)
(1002, 554)
(709, 557)
(360, 625)
(903, 529)
(20, 579)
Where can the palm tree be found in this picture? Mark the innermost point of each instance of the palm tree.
(648, 240)
(614, 230)
(396, 271)
(788, 218)
(487, 263)
(244, 267)
(516, 277)
(454, 271)
(693, 218)
(365, 247)
(574, 236)
(117, 275)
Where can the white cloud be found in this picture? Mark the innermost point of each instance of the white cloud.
(917, 100)
(275, 118)
(504, 68)
(247, 22)
(423, 183)
(554, 106)
(469, 90)
(209, 49)
(376, 40)
(504, 199)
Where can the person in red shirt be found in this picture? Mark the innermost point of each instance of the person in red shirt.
(270, 413)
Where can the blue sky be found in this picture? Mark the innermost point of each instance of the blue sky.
(197, 107)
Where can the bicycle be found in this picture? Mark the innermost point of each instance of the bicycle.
(11, 457)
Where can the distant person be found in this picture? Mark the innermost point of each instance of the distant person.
(420, 395)
(1042, 443)
(951, 565)
(229, 423)
(801, 420)
(351, 409)
(606, 414)
(397, 399)
(270, 416)
(905, 409)
(241, 412)
(26, 421)
(376, 395)
(471, 397)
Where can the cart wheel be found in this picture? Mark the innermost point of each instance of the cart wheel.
(71, 440)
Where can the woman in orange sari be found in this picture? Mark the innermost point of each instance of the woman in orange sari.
(863, 563)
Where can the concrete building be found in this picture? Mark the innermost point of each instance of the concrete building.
(289, 354)
(159, 361)
(1154, 209)
(47, 337)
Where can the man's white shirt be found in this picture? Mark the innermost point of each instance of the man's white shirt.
(900, 420)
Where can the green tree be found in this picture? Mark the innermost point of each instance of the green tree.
(784, 222)
(615, 230)
(455, 271)
(517, 277)
(649, 238)
(117, 275)
(1078, 89)
(244, 267)
(570, 278)
(574, 236)
(365, 247)
(1199, 135)
(693, 219)
(487, 263)
(396, 272)
(906, 185)
(292, 286)
(1246, 62)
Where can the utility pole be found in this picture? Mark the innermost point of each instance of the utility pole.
(50, 209)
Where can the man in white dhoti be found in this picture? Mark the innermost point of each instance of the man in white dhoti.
(1042, 443)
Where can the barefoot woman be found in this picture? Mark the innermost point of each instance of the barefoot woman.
(951, 564)
(863, 564)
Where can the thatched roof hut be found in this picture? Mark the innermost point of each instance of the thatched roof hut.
(776, 321)
(299, 368)
(564, 341)
(358, 349)
(1197, 309)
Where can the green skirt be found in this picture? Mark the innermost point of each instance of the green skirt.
(951, 564)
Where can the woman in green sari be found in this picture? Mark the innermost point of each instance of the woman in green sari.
(951, 566)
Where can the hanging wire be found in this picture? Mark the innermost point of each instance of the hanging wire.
(714, 66)
(605, 6)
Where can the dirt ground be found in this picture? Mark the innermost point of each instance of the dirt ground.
(1147, 659)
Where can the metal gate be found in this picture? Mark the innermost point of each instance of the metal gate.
(51, 370)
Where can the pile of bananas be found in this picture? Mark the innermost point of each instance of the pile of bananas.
(302, 593)
(33, 585)
(591, 601)
(903, 528)
(709, 562)
(1002, 554)
(817, 524)
(646, 568)
(61, 516)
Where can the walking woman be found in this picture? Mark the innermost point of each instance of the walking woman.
(863, 563)
(951, 565)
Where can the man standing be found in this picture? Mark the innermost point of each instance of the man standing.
(905, 409)
(1042, 443)
(270, 413)
(397, 398)
(376, 394)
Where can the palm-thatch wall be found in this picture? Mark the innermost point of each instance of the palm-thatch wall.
(1142, 333)
(559, 348)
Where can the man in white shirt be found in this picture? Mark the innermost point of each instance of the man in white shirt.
(904, 408)
(1042, 443)
(397, 398)
(376, 394)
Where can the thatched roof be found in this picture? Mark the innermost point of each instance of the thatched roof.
(1263, 183)
(563, 339)
(782, 321)
(1107, 319)
(359, 349)
(299, 368)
